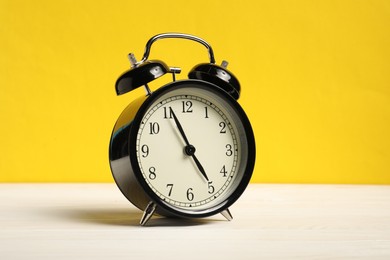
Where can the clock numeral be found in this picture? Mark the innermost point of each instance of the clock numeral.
(152, 173)
(154, 128)
(223, 127)
(187, 106)
(168, 113)
(229, 151)
(206, 112)
(145, 150)
(223, 171)
(211, 187)
(170, 187)
(190, 195)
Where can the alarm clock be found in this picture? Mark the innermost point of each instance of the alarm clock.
(186, 149)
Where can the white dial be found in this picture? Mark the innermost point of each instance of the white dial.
(189, 149)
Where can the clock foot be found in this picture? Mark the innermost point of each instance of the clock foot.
(226, 213)
(149, 210)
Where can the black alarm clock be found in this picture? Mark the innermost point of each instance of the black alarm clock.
(187, 149)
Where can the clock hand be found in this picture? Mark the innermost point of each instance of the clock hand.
(180, 128)
(200, 167)
(189, 149)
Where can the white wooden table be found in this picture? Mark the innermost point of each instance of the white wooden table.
(94, 221)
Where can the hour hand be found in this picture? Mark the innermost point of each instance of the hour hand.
(200, 167)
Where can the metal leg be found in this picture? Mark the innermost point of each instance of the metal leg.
(150, 208)
(226, 213)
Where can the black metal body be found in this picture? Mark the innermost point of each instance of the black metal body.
(125, 167)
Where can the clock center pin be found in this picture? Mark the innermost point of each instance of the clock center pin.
(189, 150)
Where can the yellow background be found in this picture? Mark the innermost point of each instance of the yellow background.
(315, 79)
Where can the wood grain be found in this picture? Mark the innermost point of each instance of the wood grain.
(94, 221)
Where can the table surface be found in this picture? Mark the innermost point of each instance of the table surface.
(271, 221)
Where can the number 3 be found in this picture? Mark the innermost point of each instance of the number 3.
(229, 151)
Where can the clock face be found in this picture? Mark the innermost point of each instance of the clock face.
(192, 148)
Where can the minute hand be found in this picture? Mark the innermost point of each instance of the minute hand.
(189, 149)
(180, 128)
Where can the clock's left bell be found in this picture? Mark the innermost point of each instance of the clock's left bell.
(140, 75)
